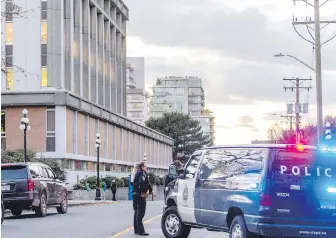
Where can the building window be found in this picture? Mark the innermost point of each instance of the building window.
(44, 10)
(9, 78)
(9, 10)
(44, 77)
(44, 33)
(123, 168)
(91, 166)
(50, 134)
(67, 164)
(108, 167)
(9, 55)
(80, 165)
(43, 55)
(9, 33)
(3, 130)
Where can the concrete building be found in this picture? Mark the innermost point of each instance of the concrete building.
(139, 70)
(66, 64)
(177, 94)
(137, 105)
(137, 97)
(207, 121)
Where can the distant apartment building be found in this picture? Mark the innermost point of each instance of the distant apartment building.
(177, 94)
(137, 98)
(65, 63)
(207, 121)
(184, 95)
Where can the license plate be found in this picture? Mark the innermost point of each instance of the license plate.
(5, 188)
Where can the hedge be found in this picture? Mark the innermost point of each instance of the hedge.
(121, 182)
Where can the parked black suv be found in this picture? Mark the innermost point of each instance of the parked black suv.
(32, 186)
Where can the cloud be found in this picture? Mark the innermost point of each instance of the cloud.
(246, 122)
(247, 34)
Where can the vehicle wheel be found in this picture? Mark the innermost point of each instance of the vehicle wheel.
(63, 207)
(172, 225)
(2, 213)
(16, 211)
(41, 210)
(238, 229)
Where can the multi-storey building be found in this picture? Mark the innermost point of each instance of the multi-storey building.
(137, 105)
(207, 121)
(66, 64)
(177, 94)
(184, 95)
(137, 97)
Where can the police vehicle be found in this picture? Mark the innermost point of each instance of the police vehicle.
(254, 191)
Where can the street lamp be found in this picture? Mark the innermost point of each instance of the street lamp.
(97, 145)
(25, 127)
(293, 57)
(318, 94)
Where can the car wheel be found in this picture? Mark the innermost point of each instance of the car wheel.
(16, 211)
(2, 213)
(172, 225)
(63, 207)
(238, 229)
(41, 210)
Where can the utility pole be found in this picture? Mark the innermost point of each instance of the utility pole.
(290, 119)
(318, 58)
(298, 89)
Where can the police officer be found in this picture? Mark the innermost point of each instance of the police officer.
(141, 190)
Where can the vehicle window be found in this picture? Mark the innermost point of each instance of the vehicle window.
(34, 171)
(192, 166)
(293, 167)
(233, 164)
(44, 172)
(13, 172)
(50, 173)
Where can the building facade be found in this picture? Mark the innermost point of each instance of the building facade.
(137, 105)
(207, 122)
(177, 94)
(66, 64)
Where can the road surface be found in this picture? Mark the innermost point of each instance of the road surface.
(98, 221)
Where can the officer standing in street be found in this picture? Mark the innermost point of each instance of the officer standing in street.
(141, 190)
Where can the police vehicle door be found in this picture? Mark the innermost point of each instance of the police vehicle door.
(186, 189)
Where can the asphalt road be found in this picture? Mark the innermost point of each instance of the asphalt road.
(98, 221)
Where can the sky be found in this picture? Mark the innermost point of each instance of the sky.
(230, 44)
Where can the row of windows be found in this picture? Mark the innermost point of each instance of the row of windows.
(50, 130)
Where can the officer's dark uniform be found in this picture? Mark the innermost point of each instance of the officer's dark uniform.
(141, 186)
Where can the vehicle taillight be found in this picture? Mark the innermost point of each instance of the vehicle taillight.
(30, 185)
(265, 200)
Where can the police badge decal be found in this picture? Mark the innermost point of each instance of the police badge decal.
(185, 196)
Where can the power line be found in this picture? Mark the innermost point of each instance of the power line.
(317, 45)
(298, 89)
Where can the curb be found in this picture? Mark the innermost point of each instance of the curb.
(76, 205)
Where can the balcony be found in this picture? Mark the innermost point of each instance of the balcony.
(131, 83)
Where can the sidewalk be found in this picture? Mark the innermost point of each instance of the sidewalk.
(74, 203)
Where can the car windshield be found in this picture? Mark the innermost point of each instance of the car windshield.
(13, 172)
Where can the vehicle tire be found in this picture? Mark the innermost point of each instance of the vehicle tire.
(16, 211)
(172, 225)
(2, 213)
(238, 229)
(41, 210)
(63, 207)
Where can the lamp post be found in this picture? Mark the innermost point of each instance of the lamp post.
(293, 57)
(97, 145)
(25, 127)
